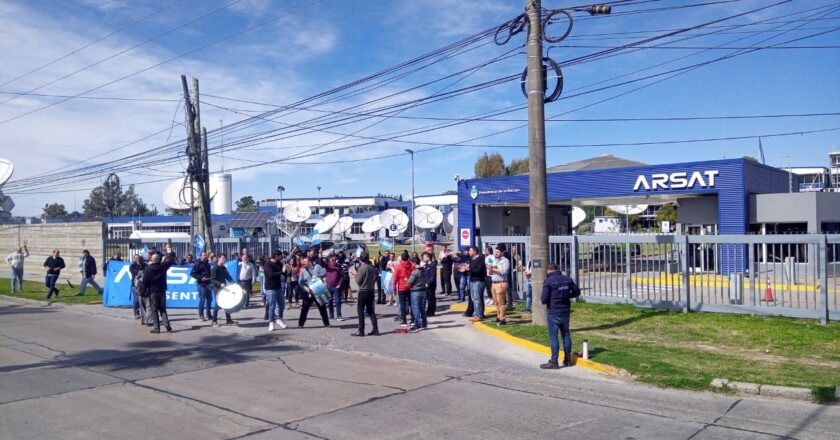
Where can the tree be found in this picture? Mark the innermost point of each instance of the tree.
(667, 212)
(518, 166)
(490, 166)
(247, 204)
(170, 211)
(450, 192)
(109, 200)
(53, 210)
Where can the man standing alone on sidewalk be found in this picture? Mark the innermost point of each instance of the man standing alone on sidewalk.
(499, 276)
(366, 279)
(15, 262)
(557, 295)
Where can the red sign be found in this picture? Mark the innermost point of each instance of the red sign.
(465, 234)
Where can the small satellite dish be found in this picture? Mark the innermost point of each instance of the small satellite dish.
(578, 216)
(296, 213)
(6, 170)
(343, 225)
(325, 224)
(177, 195)
(628, 209)
(427, 217)
(394, 220)
(371, 225)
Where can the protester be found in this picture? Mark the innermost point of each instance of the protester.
(15, 261)
(529, 289)
(53, 264)
(189, 259)
(446, 262)
(430, 272)
(219, 276)
(292, 289)
(273, 270)
(557, 294)
(401, 273)
(488, 283)
(417, 283)
(499, 272)
(140, 305)
(169, 254)
(365, 276)
(247, 275)
(460, 261)
(477, 270)
(88, 271)
(333, 281)
(154, 288)
(310, 271)
(345, 262)
(382, 267)
(201, 272)
(116, 257)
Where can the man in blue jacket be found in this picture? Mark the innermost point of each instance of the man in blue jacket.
(558, 291)
(88, 270)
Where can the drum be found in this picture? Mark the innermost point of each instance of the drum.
(319, 290)
(231, 298)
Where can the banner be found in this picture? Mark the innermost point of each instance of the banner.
(387, 280)
(181, 290)
(385, 244)
(199, 244)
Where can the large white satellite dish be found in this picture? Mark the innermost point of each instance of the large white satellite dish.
(628, 209)
(343, 225)
(578, 216)
(325, 224)
(6, 170)
(177, 194)
(371, 225)
(449, 222)
(427, 217)
(394, 220)
(296, 213)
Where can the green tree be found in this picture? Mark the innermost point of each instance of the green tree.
(518, 166)
(109, 200)
(170, 211)
(450, 192)
(492, 165)
(667, 212)
(53, 210)
(247, 204)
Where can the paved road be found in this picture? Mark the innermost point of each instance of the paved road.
(86, 372)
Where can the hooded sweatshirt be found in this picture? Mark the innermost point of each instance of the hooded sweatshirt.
(417, 280)
(401, 274)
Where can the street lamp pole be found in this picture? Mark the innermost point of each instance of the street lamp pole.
(280, 189)
(319, 201)
(413, 243)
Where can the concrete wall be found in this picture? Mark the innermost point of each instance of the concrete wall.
(814, 208)
(69, 238)
(698, 211)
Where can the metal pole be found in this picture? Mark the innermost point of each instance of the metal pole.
(536, 156)
(411, 217)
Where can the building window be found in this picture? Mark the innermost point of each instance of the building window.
(356, 229)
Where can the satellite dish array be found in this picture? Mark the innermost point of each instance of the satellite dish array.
(6, 171)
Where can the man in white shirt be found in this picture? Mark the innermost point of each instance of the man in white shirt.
(15, 262)
(499, 276)
(247, 274)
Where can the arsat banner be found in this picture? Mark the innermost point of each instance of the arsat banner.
(181, 290)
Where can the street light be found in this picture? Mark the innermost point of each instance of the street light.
(319, 201)
(413, 243)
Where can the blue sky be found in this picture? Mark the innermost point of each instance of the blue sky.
(333, 42)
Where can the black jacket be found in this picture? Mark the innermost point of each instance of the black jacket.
(272, 275)
(201, 269)
(430, 270)
(154, 279)
(478, 269)
(54, 264)
(89, 266)
(446, 263)
(558, 291)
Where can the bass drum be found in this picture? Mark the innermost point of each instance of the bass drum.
(231, 298)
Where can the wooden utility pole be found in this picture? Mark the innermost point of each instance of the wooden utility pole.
(536, 157)
(198, 169)
(191, 154)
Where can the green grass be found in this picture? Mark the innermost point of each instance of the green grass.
(673, 349)
(37, 291)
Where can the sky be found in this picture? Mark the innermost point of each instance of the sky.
(276, 54)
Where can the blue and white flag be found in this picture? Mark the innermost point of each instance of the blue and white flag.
(199, 244)
(385, 244)
(316, 240)
(358, 251)
(144, 252)
(313, 234)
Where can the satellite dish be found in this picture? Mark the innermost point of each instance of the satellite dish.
(628, 209)
(325, 224)
(177, 194)
(343, 225)
(393, 220)
(427, 217)
(296, 213)
(6, 170)
(578, 216)
(449, 222)
(371, 225)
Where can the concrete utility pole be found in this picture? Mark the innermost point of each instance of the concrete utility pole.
(205, 173)
(536, 157)
(413, 204)
(197, 169)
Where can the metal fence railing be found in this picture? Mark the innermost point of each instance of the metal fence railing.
(790, 275)
(227, 246)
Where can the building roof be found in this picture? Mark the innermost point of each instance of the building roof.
(596, 163)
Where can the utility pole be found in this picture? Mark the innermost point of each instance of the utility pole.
(206, 176)
(197, 168)
(413, 204)
(536, 156)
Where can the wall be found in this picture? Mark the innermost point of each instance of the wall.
(698, 211)
(41, 239)
(492, 221)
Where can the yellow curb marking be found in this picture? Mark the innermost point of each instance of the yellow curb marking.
(463, 308)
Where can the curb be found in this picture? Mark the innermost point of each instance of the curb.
(542, 349)
(463, 308)
(793, 393)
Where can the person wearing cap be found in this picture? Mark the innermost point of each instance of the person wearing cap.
(499, 277)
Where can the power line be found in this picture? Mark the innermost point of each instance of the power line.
(102, 98)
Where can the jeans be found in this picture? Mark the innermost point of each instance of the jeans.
(560, 322)
(403, 303)
(462, 287)
(334, 305)
(92, 282)
(418, 307)
(216, 309)
(50, 281)
(158, 303)
(477, 295)
(365, 305)
(17, 278)
(446, 281)
(528, 297)
(248, 287)
(205, 300)
(274, 299)
(136, 301)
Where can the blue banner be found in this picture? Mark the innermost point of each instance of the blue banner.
(199, 244)
(385, 244)
(358, 251)
(181, 290)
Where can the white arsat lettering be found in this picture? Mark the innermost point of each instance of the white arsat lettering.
(679, 180)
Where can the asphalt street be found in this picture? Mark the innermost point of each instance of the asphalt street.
(86, 372)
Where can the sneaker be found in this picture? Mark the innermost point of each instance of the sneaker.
(231, 322)
(414, 329)
(271, 326)
(154, 330)
(550, 366)
(216, 324)
(359, 334)
(476, 319)
(202, 318)
(497, 320)
(403, 324)
(280, 323)
(502, 322)
(169, 329)
(339, 319)
(374, 333)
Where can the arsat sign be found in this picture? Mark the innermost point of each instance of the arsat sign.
(680, 180)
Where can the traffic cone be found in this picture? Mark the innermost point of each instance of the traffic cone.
(768, 292)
